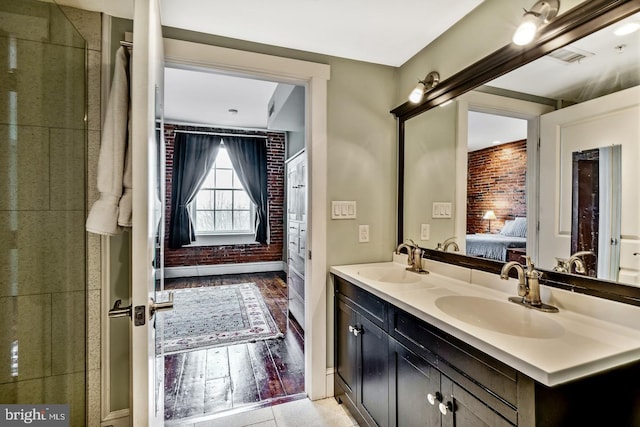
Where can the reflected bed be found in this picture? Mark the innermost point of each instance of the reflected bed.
(493, 246)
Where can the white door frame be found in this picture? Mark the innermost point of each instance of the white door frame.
(314, 77)
(509, 107)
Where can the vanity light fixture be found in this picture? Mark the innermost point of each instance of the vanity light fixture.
(491, 216)
(430, 81)
(540, 14)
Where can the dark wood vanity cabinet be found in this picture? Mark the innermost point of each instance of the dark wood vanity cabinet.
(362, 365)
(420, 395)
(391, 366)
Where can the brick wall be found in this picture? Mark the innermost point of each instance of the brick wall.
(496, 181)
(234, 254)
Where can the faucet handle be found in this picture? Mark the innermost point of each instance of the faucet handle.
(529, 264)
(412, 242)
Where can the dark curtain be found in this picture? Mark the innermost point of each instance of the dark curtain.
(249, 159)
(193, 157)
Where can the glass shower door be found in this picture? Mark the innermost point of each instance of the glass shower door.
(42, 208)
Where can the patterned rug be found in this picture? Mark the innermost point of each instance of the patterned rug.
(215, 316)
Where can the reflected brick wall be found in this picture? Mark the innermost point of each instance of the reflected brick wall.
(496, 181)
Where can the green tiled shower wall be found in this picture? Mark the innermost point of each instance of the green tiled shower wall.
(45, 141)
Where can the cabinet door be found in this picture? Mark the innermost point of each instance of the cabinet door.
(345, 351)
(414, 389)
(465, 410)
(373, 367)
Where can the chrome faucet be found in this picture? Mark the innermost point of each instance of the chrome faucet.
(451, 241)
(415, 257)
(564, 266)
(528, 285)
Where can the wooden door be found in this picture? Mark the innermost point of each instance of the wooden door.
(146, 375)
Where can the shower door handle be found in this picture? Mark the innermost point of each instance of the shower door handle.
(118, 311)
(160, 306)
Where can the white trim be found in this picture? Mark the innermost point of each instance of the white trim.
(105, 347)
(220, 269)
(330, 378)
(105, 258)
(510, 107)
(116, 419)
(314, 76)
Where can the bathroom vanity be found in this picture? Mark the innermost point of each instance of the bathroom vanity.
(447, 348)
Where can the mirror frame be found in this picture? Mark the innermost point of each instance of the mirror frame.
(576, 23)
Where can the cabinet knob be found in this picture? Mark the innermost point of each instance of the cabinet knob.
(357, 331)
(434, 397)
(445, 408)
(351, 328)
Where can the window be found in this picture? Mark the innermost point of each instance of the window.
(222, 205)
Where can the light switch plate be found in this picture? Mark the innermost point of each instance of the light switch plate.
(343, 209)
(441, 210)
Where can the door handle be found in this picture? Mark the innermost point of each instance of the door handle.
(118, 311)
(160, 306)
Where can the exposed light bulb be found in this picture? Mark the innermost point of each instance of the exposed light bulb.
(526, 31)
(416, 94)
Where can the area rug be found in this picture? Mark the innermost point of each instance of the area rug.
(215, 316)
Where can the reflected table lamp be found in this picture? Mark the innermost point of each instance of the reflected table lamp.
(490, 216)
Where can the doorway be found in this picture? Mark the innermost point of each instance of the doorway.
(226, 376)
(496, 187)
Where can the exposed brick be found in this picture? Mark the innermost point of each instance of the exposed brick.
(496, 181)
(234, 254)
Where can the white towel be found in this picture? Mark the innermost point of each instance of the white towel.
(113, 208)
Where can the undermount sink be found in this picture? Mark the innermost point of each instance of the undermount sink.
(389, 274)
(498, 316)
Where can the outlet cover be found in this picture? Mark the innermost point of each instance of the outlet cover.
(363, 233)
(425, 231)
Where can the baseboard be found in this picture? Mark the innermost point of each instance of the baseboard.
(330, 377)
(116, 419)
(220, 269)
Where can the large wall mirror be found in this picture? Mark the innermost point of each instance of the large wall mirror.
(537, 154)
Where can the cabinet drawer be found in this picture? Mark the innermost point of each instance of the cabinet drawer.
(296, 309)
(296, 283)
(374, 308)
(474, 370)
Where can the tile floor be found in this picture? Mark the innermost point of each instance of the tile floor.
(320, 413)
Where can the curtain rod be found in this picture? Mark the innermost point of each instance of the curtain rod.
(198, 132)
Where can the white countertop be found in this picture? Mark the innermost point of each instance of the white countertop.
(578, 345)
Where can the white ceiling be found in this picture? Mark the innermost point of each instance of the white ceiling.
(368, 30)
(612, 63)
(606, 69)
(205, 98)
(485, 130)
(378, 31)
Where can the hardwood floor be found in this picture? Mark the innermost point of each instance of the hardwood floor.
(226, 378)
